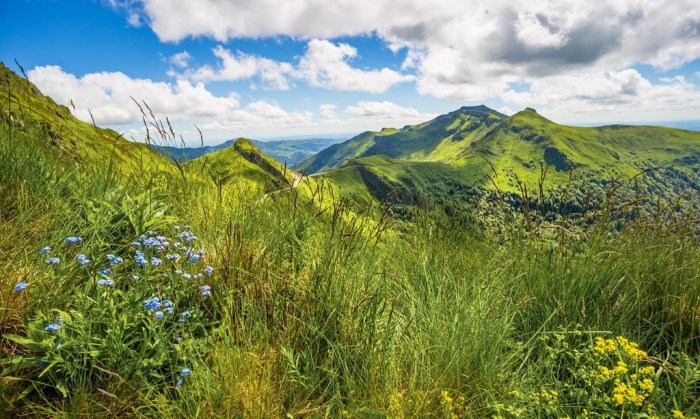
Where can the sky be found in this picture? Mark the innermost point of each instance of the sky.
(279, 68)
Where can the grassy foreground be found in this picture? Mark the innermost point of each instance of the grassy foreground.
(300, 306)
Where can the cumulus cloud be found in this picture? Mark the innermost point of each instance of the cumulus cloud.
(324, 64)
(108, 96)
(610, 96)
(460, 50)
(240, 66)
(383, 109)
(181, 59)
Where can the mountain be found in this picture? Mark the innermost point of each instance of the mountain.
(243, 164)
(291, 152)
(458, 156)
(437, 140)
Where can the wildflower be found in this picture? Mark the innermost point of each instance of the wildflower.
(184, 316)
(677, 414)
(136, 244)
(205, 290)
(177, 228)
(197, 276)
(194, 258)
(209, 270)
(173, 256)
(159, 315)
(152, 303)
(73, 240)
(185, 372)
(113, 260)
(53, 261)
(82, 259)
(178, 272)
(179, 382)
(41, 363)
(44, 250)
(52, 327)
(167, 303)
(156, 262)
(140, 259)
(105, 283)
(186, 276)
(135, 277)
(22, 285)
(179, 338)
(105, 271)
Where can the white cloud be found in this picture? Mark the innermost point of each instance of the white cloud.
(108, 96)
(383, 109)
(532, 31)
(610, 96)
(324, 64)
(460, 50)
(181, 59)
(241, 66)
(506, 110)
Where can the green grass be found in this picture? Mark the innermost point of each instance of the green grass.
(325, 306)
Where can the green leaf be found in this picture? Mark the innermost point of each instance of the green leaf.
(29, 343)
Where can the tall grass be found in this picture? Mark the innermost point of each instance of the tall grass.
(320, 309)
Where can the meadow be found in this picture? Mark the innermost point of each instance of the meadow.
(199, 299)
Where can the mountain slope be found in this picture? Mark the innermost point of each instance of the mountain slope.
(244, 165)
(436, 140)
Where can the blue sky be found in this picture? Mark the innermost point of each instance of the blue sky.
(272, 69)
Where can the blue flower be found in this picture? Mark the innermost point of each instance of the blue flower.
(170, 310)
(194, 258)
(135, 277)
(178, 272)
(179, 338)
(82, 259)
(197, 276)
(105, 282)
(184, 316)
(44, 250)
(156, 262)
(186, 276)
(179, 382)
(173, 256)
(152, 303)
(205, 290)
(53, 261)
(136, 244)
(113, 260)
(41, 363)
(167, 303)
(140, 259)
(185, 372)
(19, 287)
(73, 240)
(159, 315)
(52, 327)
(105, 271)
(209, 270)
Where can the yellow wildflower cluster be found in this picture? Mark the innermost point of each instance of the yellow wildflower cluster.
(630, 349)
(396, 402)
(624, 394)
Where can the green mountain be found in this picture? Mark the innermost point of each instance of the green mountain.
(456, 157)
(291, 152)
(244, 165)
(440, 139)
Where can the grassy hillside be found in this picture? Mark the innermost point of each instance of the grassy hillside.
(167, 294)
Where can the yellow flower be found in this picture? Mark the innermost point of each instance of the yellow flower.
(677, 414)
(648, 370)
